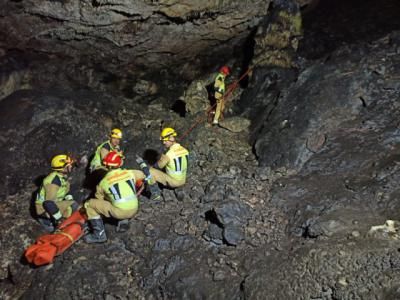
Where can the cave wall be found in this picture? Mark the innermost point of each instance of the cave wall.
(183, 36)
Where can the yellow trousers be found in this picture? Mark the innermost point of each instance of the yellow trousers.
(160, 177)
(219, 109)
(96, 207)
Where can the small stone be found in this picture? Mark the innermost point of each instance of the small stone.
(79, 259)
(234, 170)
(324, 253)
(162, 245)
(253, 200)
(150, 230)
(48, 267)
(342, 281)
(219, 275)
(355, 233)
(185, 212)
(251, 230)
(180, 227)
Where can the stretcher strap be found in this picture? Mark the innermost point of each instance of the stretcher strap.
(67, 235)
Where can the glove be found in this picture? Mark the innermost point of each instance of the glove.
(69, 197)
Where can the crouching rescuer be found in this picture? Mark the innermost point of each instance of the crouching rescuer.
(115, 197)
(174, 161)
(53, 203)
(113, 144)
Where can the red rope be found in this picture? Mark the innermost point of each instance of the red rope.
(231, 88)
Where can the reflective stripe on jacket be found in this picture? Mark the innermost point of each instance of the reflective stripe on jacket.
(219, 84)
(97, 161)
(61, 192)
(119, 188)
(178, 162)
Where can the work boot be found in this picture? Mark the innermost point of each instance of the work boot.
(155, 192)
(99, 234)
(123, 225)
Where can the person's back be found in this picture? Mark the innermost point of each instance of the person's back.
(178, 162)
(115, 197)
(54, 183)
(119, 188)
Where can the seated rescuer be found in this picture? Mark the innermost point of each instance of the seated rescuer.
(53, 203)
(175, 162)
(115, 197)
(104, 148)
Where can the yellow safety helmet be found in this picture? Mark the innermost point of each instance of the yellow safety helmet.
(59, 162)
(116, 133)
(166, 133)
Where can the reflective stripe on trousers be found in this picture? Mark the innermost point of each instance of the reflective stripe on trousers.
(126, 199)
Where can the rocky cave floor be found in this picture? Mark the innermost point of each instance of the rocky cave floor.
(245, 226)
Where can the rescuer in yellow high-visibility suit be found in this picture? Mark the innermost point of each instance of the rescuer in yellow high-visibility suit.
(219, 92)
(174, 161)
(115, 197)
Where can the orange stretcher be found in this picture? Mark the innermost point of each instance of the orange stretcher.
(48, 246)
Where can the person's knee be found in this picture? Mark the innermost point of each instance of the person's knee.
(90, 209)
(174, 183)
(138, 174)
(90, 204)
(50, 207)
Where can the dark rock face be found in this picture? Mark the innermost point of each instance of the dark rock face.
(130, 35)
(341, 135)
(359, 21)
(303, 119)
